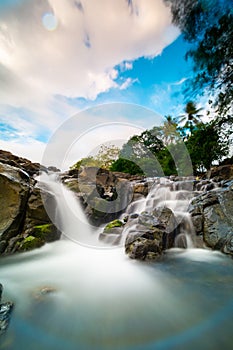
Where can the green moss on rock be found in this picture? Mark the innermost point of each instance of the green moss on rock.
(30, 243)
(46, 232)
(113, 224)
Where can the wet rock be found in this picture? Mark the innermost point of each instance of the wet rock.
(141, 188)
(151, 234)
(168, 223)
(14, 193)
(144, 245)
(22, 211)
(112, 232)
(41, 293)
(211, 214)
(6, 309)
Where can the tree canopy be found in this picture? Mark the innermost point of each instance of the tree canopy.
(208, 25)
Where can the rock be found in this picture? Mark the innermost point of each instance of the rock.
(23, 218)
(151, 235)
(141, 188)
(22, 163)
(224, 172)
(112, 232)
(112, 225)
(144, 245)
(168, 223)
(5, 313)
(41, 293)
(211, 214)
(14, 193)
(35, 210)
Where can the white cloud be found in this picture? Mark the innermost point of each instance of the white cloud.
(28, 148)
(77, 57)
(128, 82)
(71, 53)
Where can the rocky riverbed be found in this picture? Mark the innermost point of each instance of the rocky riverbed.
(106, 196)
(147, 216)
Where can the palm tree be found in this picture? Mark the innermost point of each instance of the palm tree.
(191, 116)
(169, 128)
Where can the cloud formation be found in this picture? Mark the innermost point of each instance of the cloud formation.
(75, 54)
(51, 50)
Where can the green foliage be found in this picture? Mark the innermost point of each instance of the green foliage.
(30, 242)
(113, 224)
(126, 166)
(87, 162)
(104, 158)
(107, 155)
(191, 118)
(205, 146)
(208, 26)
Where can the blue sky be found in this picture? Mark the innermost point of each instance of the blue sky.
(158, 82)
(58, 58)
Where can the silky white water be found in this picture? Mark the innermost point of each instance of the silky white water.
(100, 299)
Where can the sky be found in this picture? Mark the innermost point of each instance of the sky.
(60, 59)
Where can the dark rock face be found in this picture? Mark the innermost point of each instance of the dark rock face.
(14, 193)
(5, 313)
(24, 223)
(224, 172)
(212, 217)
(104, 196)
(151, 234)
(18, 162)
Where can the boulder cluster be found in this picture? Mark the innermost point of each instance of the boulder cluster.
(24, 223)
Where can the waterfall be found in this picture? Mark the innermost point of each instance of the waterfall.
(72, 296)
(173, 195)
(70, 218)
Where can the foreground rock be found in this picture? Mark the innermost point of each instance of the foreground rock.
(5, 313)
(150, 234)
(24, 223)
(211, 214)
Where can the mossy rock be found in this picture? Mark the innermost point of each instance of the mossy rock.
(113, 224)
(46, 232)
(30, 243)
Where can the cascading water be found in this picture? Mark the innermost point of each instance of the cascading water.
(173, 195)
(69, 217)
(71, 296)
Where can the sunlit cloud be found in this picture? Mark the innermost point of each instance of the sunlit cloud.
(51, 51)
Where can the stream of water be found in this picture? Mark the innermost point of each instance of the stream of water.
(72, 296)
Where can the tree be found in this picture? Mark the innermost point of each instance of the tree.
(208, 25)
(104, 158)
(206, 146)
(126, 166)
(107, 155)
(169, 130)
(144, 145)
(191, 116)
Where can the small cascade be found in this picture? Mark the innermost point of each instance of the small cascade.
(175, 195)
(70, 218)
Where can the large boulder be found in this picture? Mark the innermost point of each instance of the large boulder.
(38, 228)
(24, 222)
(14, 193)
(150, 234)
(104, 196)
(19, 162)
(212, 218)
